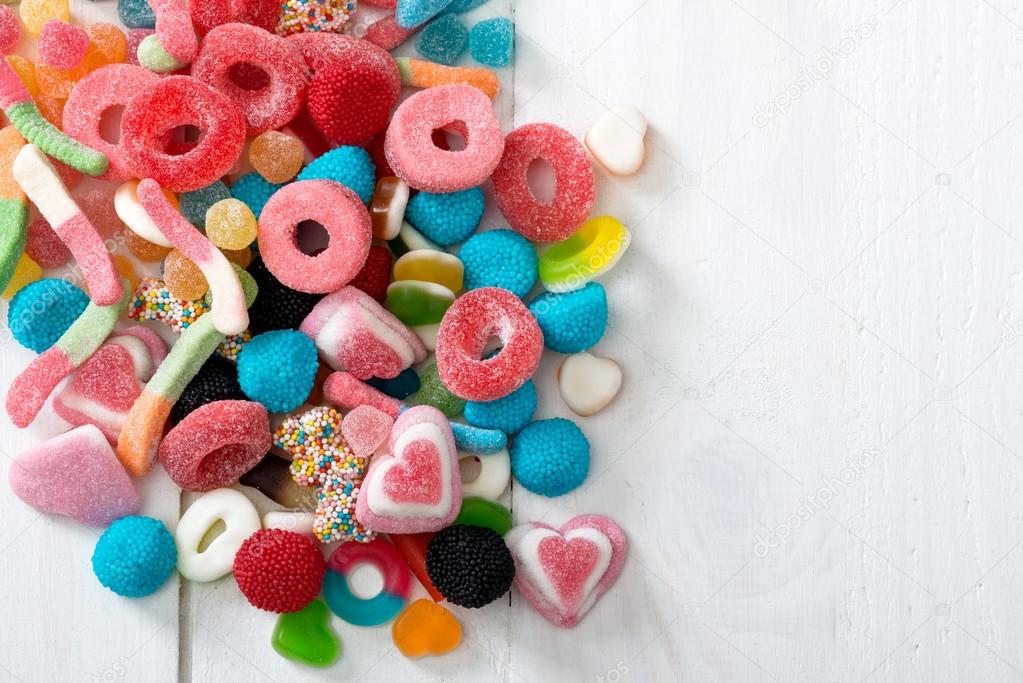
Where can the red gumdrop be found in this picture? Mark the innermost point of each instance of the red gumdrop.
(376, 274)
(62, 45)
(305, 130)
(182, 101)
(351, 100)
(208, 14)
(44, 246)
(10, 29)
(279, 570)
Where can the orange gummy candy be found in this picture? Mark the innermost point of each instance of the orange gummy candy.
(240, 257)
(426, 628)
(276, 156)
(11, 143)
(143, 249)
(51, 108)
(127, 269)
(183, 278)
(26, 71)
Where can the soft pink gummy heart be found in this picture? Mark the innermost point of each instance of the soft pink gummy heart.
(364, 428)
(569, 564)
(416, 478)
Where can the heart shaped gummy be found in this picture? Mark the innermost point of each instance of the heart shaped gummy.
(426, 628)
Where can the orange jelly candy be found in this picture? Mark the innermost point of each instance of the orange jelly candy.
(143, 249)
(426, 628)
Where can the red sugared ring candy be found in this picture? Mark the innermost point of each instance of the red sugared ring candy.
(464, 332)
(575, 191)
(176, 101)
(279, 570)
(341, 213)
(266, 108)
(415, 158)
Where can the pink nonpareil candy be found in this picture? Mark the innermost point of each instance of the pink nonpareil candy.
(62, 45)
(365, 428)
(75, 474)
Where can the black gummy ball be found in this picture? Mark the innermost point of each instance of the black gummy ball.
(276, 307)
(217, 380)
(470, 565)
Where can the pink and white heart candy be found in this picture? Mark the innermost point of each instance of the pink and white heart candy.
(413, 484)
(563, 572)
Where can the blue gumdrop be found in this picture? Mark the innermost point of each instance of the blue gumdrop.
(134, 556)
(196, 203)
(443, 40)
(492, 42)
(509, 414)
(412, 13)
(42, 311)
(499, 258)
(447, 218)
(136, 14)
(278, 369)
(573, 321)
(254, 190)
(350, 166)
(550, 457)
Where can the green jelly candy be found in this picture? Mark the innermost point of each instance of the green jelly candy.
(416, 302)
(482, 512)
(432, 392)
(154, 57)
(305, 636)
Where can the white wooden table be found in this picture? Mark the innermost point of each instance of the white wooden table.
(817, 450)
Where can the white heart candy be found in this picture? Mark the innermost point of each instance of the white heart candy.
(616, 140)
(588, 383)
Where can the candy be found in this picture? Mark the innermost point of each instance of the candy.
(98, 205)
(278, 307)
(229, 312)
(448, 218)
(299, 522)
(351, 99)
(415, 302)
(432, 392)
(272, 477)
(41, 312)
(349, 166)
(491, 42)
(104, 388)
(573, 321)
(217, 380)
(174, 30)
(230, 224)
(178, 101)
(470, 565)
(592, 251)
(129, 209)
(411, 13)
(184, 279)
(339, 211)
(279, 571)
(134, 556)
(306, 636)
(414, 485)
(418, 73)
(208, 14)
(485, 513)
(153, 301)
(196, 203)
(136, 13)
(107, 45)
(240, 521)
(35, 13)
(380, 608)
(475, 440)
(365, 428)
(443, 40)
(616, 140)
(588, 383)
(30, 389)
(467, 327)
(26, 271)
(419, 162)
(375, 276)
(43, 186)
(382, 4)
(215, 444)
(62, 45)
(152, 55)
(135, 38)
(240, 257)
(387, 209)
(410, 239)
(386, 33)
(485, 475)
(563, 572)
(74, 474)
(261, 13)
(550, 457)
(499, 258)
(575, 186)
(252, 189)
(460, 6)
(405, 384)
(425, 628)
(277, 369)
(354, 333)
(315, 15)
(509, 414)
(345, 391)
(276, 156)
(413, 549)
(10, 30)
(428, 265)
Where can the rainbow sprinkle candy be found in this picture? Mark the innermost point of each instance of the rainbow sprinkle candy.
(299, 16)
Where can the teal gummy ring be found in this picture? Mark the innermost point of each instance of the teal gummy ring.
(382, 607)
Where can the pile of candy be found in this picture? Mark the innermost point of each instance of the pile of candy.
(348, 344)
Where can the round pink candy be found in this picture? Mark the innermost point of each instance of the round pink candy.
(415, 158)
(105, 88)
(341, 213)
(576, 188)
(62, 45)
(464, 332)
(10, 29)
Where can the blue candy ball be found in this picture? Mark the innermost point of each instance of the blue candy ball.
(509, 414)
(573, 321)
(447, 218)
(400, 387)
(492, 42)
(550, 457)
(499, 258)
(443, 40)
(350, 166)
(41, 312)
(136, 14)
(476, 440)
(196, 203)
(278, 369)
(134, 556)
(254, 190)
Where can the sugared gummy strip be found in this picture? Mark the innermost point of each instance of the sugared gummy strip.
(417, 73)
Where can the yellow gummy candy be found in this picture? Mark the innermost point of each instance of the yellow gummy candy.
(26, 272)
(429, 265)
(35, 13)
(230, 224)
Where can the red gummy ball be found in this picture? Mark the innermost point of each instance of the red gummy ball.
(278, 570)
(351, 100)
(376, 274)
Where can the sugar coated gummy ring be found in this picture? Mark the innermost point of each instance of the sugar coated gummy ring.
(467, 327)
(382, 607)
(415, 158)
(179, 101)
(342, 215)
(575, 190)
(265, 108)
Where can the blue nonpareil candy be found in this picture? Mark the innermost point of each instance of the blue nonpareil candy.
(573, 321)
(254, 190)
(447, 218)
(499, 258)
(350, 166)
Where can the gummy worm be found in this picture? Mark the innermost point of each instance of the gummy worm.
(44, 187)
(230, 312)
(421, 74)
(13, 210)
(24, 114)
(29, 390)
(140, 436)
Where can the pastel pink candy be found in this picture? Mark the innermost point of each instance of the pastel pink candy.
(347, 392)
(355, 333)
(104, 388)
(75, 474)
(364, 429)
(413, 485)
(62, 45)
(563, 572)
(174, 29)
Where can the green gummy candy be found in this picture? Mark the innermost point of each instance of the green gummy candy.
(153, 57)
(432, 392)
(418, 303)
(305, 636)
(13, 233)
(482, 512)
(33, 127)
(92, 328)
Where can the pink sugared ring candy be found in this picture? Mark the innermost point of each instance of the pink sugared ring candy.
(574, 194)
(176, 101)
(265, 108)
(464, 332)
(415, 158)
(341, 213)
